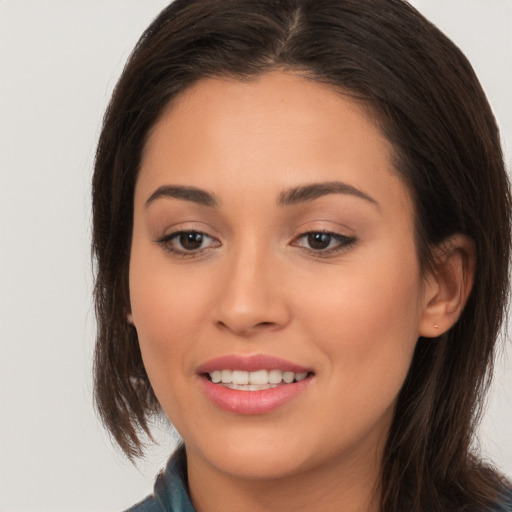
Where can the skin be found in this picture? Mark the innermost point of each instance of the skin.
(353, 313)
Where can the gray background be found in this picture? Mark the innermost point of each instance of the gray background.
(59, 61)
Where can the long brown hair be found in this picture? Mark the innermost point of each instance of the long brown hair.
(428, 102)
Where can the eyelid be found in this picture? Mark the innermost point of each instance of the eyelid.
(344, 243)
(165, 243)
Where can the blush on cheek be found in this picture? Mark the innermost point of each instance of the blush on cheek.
(372, 330)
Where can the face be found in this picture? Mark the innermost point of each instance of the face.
(274, 279)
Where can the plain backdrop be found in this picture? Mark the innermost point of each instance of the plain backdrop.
(59, 60)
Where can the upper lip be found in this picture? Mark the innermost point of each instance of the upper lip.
(250, 364)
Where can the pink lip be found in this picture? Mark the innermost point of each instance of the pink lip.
(252, 402)
(250, 364)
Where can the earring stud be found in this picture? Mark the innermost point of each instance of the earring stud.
(436, 326)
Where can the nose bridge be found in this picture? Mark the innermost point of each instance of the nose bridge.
(250, 298)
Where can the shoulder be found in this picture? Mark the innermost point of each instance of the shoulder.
(171, 490)
(505, 503)
(150, 504)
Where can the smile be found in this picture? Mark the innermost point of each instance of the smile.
(256, 384)
(255, 380)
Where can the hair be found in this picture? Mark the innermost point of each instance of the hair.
(427, 101)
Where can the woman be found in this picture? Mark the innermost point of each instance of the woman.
(301, 225)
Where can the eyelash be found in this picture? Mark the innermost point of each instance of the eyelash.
(166, 243)
(343, 243)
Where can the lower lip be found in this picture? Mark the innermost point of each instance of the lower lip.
(253, 402)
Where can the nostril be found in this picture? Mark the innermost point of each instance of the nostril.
(245, 329)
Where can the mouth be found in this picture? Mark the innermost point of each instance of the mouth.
(253, 385)
(255, 380)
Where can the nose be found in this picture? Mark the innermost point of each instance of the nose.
(252, 296)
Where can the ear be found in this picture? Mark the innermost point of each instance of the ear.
(129, 318)
(447, 285)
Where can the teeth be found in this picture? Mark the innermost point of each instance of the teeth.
(259, 377)
(300, 376)
(288, 377)
(239, 377)
(256, 378)
(275, 376)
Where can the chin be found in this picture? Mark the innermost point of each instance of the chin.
(256, 453)
(258, 465)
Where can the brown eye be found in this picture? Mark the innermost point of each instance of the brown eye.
(191, 241)
(188, 243)
(323, 243)
(319, 241)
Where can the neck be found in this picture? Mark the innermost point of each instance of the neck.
(350, 485)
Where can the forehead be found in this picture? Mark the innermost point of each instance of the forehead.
(277, 130)
(278, 103)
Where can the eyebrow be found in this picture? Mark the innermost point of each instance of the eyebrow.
(193, 194)
(313, 191)
(291, 196)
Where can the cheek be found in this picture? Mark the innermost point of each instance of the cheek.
(165, 314)
(167, 300)
(367, 325)
(166, 309)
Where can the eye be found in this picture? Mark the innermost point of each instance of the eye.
(323, 242)
(187, 242)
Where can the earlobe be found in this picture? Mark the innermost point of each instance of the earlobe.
(448, 285)
(129, 318)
